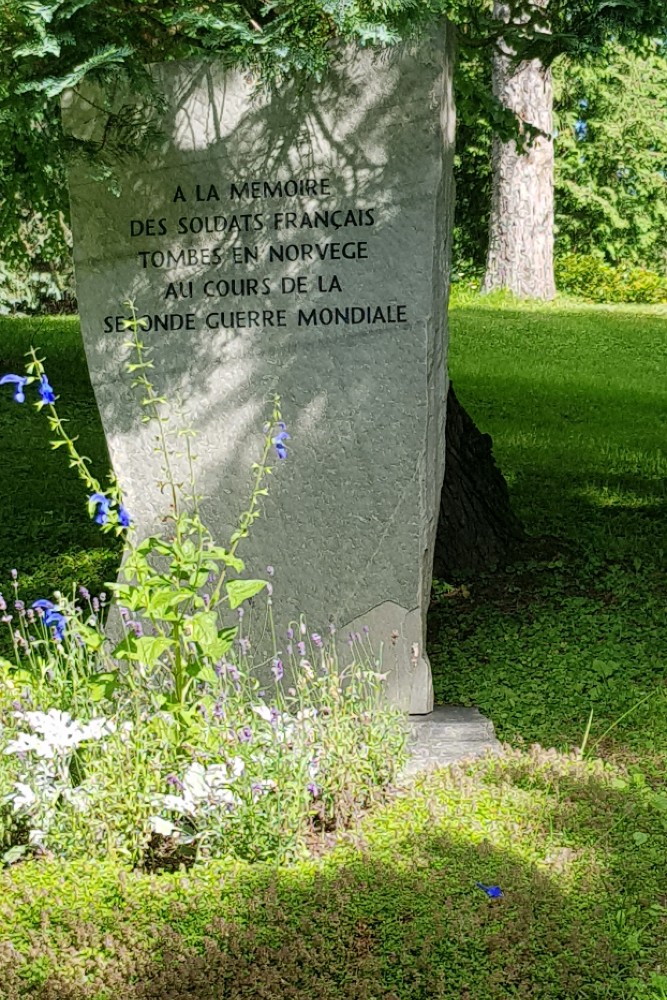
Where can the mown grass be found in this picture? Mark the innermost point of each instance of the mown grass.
(45, 530)
(575, 402)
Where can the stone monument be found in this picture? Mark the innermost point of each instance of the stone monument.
(291, 243)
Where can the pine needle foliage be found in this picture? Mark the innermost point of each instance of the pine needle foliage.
(53, 45)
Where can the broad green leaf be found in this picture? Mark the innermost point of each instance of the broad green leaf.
(151, 647)
(165, 600)
(239, 591)
(148, 649)
(203, 628)
(223, 643)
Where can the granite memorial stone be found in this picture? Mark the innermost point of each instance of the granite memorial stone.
(291, 243)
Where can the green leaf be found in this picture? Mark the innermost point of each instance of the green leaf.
(223, 556)
(151, 647)
(15, 853)
(239, 591)
(92, 639)
(164, 601)
(101, 686)
(203, 628)
(148, 649)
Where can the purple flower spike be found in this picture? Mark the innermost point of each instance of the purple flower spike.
(19, 383)
(245, 734)
(277, 669)
(46, 392)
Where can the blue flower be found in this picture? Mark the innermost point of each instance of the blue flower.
(51, 617)
(54, 620)
(103, 505)
(19, 382)
(46, 392)
(43, 605)
(580, 129)
(493, 891)
(123, 516)
(279, 441)
(583, 103)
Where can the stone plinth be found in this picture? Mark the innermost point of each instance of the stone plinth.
(293, 243)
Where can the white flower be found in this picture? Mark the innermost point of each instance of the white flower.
(195, 786)
(97, 728)
(174, 803)
(238, 766)
(23, 797)
(78, 797)
(59, 731)
(162, 826)
(263, 711)
(204, 786)
(306, 713)
(26, 743)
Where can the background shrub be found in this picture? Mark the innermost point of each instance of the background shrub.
(592, 279)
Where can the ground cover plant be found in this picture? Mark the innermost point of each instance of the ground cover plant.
(577, 844)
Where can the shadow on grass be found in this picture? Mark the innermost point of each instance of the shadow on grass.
(47, 534)
(575, 403)
(396, 916)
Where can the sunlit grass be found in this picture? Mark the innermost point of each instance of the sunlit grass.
(576, 402)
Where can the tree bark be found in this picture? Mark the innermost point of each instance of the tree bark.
(521, 227)
(477, 529)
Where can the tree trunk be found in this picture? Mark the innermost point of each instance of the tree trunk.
(477, 529)
(521, 227)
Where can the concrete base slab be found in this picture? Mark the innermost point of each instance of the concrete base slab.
(447, 734)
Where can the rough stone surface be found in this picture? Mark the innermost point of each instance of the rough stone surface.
(448, 734)
(350, 520)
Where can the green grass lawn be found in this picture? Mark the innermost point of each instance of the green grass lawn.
(573, 397)
(576, 403)
(46, 533)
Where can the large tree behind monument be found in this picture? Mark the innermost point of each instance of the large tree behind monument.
(521, 229)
